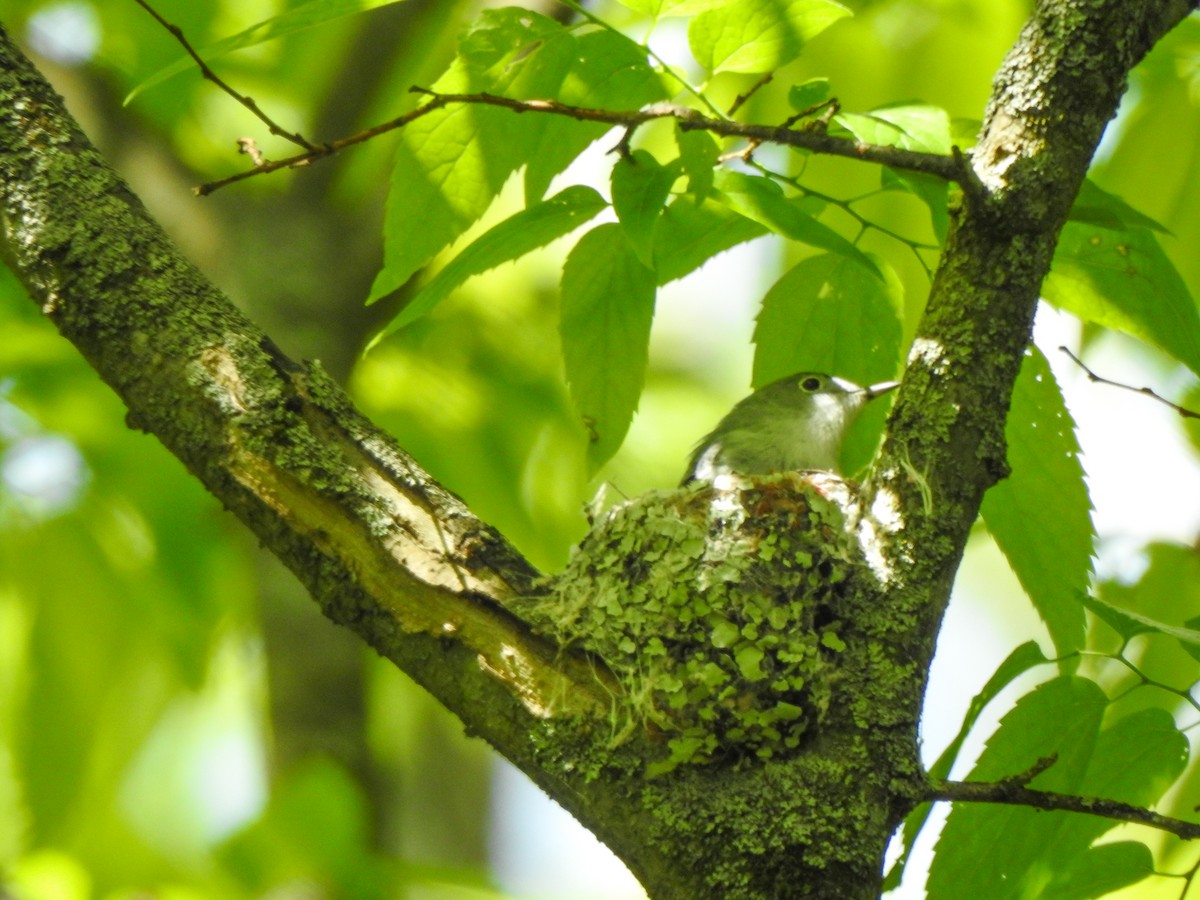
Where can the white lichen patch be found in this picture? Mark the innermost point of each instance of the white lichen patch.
(929, 353)
(882, 520)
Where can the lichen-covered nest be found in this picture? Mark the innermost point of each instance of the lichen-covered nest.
(711, 606)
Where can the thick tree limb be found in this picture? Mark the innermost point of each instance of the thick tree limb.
(1057, 89)
(382, 548)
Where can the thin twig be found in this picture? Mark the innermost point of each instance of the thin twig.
(1014, 791)
(1149, 392)
(830, 107)
(687, 118)
(742, 98)
(327, 149)
(294, 136)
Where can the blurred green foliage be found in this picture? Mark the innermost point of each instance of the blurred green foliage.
(174, 717)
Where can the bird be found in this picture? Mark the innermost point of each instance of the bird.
(795, 423)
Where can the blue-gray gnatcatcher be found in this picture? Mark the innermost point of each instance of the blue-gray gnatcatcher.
(797, 422)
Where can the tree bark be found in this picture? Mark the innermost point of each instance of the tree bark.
(393, 556)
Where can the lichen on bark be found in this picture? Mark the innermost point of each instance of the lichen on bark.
(712, 607)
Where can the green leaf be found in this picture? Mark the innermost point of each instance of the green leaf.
(1130, 624)
(609, 72)
(758, 35)
(1040, 515)
(1103, 870)
(1060, 717)
(804, 96)
(1191, 425)
(514, 237)
(451, 163)
(1167, 590)
(640, 187)
(1012, 852)
(763, 201)
(1121, 279)
(1137, 758)
(984, 851)
(828, 314)
(692, 232)
(1095, 206)
(1017, 663)
(607, 307)
(698, 153)
(749, 662)
(302, 17)
(934, 192)
(911, 126)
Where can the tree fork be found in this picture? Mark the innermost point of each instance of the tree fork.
(390, 554)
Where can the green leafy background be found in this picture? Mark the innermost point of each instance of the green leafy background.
(175, 716)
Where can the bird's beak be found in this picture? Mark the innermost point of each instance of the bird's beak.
(883, 387)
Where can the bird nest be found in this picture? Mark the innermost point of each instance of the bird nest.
(712, 607)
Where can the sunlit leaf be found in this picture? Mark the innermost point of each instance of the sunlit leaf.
(759, 35)
(690, 233)
(991, 851)
(828, 314)
(984, 851)
(610, 71)
(661, 8)
(607, 306)
(1017, 663)
(640, 187)
(763, 201)
(804, 96)
(911, 126)
(451, 163)
(917, 127)
(517, 235)
(1040, 515)
(1120, 278)
(698, 152)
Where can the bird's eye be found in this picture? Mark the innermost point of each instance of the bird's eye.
(811, 383)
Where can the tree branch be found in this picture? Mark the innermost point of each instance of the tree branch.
(1058, 88)
(206, 71)
(382, 548)
(815, 138)
(1149, 392)
(1016, 792)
